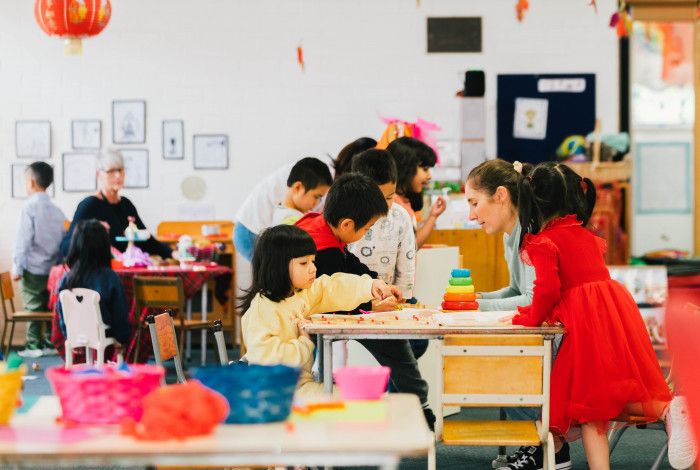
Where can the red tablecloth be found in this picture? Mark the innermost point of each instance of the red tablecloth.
(192, 281)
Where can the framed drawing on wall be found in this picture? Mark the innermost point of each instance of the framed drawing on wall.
(135, 168)
(79, 172)
(210, 151)
(86, 134)
(128, 121)
(33, 139)
(173, 139)
(19, 185)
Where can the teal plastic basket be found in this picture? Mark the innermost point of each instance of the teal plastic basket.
(255, 393)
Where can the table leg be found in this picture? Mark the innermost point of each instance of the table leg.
(319, 357)
(327, 365)
(188, 339)
(205, 290)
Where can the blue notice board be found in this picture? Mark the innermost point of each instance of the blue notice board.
(535, 113)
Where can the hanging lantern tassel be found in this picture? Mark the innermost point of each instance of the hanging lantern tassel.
(594, 5)
(520, 8)
(300, 57)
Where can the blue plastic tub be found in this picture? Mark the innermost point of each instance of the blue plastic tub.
(255, 393)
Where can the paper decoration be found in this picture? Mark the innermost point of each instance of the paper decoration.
(86, 134)
(173, 140)
(135, 167)
(33, 139)
(79, 172)
(19, 186)
(210, 152)
(129, 122)
(530, 120)
(663, 178)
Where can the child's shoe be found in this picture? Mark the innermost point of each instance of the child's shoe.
(681, 447)
(31, 350)
(47, 348)
(531, 458)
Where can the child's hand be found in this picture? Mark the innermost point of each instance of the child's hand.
(507, 319)
(16, 277)
(385, 305)
(396, 292)
(300, 327)
(380, 290)
(438, 207)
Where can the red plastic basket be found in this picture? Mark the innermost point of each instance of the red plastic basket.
(106, 396)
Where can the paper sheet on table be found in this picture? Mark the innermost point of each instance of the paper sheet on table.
(471, 317)
(354, 411)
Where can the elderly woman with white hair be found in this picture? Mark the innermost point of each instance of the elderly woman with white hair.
(112, 209)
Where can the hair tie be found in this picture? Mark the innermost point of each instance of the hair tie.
(517, 166)
(584, 186)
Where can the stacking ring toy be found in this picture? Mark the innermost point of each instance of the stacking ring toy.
(461, 281)
(459, 297)
(460, 305)
(459, 289)
(461, 273)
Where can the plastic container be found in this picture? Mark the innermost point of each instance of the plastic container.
(10, 388)
(103, 396)
(362, 383)
(255, 393)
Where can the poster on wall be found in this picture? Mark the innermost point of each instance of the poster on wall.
(33, 139)
(129, 121)
(530, 119)
(86, 134)
(173, 139)
(79, 172)
(19, 182)
(210, 152)
(663, 178)
(135, 167)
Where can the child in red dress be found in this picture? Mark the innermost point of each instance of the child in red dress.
(606, 366)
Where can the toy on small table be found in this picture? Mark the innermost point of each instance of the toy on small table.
(460, 295)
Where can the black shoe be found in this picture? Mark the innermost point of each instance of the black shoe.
(532, 459)
(515, 456)
(429, 418)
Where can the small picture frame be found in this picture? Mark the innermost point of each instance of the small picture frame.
(210, 151)
(135, 167)
(129, 121)
(79, 172)
(173, 139)
(33, 139)
(19, 187)
(86, 134)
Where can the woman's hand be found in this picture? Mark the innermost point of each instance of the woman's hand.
(438, 207)
(479, 296)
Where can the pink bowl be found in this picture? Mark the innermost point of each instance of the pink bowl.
(362, 383)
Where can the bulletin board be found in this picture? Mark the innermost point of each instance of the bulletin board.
(535, 113)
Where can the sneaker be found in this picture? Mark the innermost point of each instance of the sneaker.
(531, 458)
(515, 456)
(32, 350)
(681, 448)
(429, 418)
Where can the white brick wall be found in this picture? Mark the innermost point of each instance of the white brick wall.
(230, 66)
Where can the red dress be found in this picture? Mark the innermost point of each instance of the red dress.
(606, 364)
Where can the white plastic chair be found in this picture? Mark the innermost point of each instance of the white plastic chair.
(84, 325)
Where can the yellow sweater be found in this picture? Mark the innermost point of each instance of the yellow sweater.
(271, 336)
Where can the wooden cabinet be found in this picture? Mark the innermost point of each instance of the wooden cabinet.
(481, 252)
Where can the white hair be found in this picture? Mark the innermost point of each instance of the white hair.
(109, 159)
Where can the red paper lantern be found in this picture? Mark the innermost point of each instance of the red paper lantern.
(72, 19)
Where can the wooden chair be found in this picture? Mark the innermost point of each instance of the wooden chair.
(493, 371)
(13, 316)
(84, 325)
(164, 341)
(163, 293)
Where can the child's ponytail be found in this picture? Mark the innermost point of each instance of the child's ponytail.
(589, 199)
(528, 210)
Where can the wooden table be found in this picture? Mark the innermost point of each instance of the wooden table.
(33, 439)
(327, 333)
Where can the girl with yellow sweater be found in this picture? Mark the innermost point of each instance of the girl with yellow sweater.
(285, 292)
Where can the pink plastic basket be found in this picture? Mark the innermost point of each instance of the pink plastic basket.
(103, 396)
(362, 383)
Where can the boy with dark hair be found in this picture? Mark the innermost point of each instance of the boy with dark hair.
(389, 247)
(354, 203)
(308, 182)
(37, 249)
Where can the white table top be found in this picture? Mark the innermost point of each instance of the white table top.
(35, 437)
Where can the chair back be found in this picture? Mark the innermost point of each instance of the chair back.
(159, 293)
(164, 341)
(82, 316)
(6, 295)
